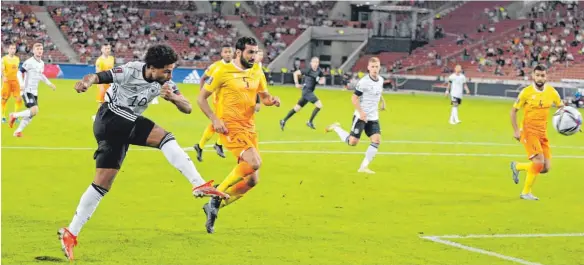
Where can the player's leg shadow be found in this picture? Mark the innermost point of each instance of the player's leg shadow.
(50, 259)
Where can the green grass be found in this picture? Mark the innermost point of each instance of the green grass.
(308, 208)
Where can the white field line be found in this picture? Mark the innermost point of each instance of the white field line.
(306, 152)
(512, 235)
(421, 143)
(480, 250)
(442, 240)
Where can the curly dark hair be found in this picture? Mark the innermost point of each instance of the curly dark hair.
(241, 42)
(160, 55)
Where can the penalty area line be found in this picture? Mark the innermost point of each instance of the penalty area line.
(324, 152)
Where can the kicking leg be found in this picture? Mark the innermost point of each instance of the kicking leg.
(177, 157)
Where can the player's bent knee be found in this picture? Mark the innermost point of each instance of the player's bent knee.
(104, 177)
(253, 180)
(34, 110)
(156, 136)
(167, 138)
(318, 104)
(297, 108)
(353, 141)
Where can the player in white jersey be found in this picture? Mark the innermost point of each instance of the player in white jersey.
(119, 124)
(29, 76)
(456, 82)
(366, 99)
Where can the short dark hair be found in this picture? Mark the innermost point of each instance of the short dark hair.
(159, 56)
(225, 46)
(106, 44)
(243, 41)
(540, 67)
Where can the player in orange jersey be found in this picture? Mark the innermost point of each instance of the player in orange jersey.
(226, 56)
(236, 84)
(10, 86)
(104, 62)
(536, 101)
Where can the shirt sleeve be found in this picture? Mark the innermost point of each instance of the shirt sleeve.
(121, 74)
(557, 99)
(24, 67)
(214, 81)
(263, 87)
(521, 100)
(359, 88)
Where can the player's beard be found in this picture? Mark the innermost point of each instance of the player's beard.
(540, 84)
(245, 63)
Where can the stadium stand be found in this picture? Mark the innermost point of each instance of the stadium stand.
(21, 27)
(132, 28)
(555, 40)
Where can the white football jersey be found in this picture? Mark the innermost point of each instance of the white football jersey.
(32, 71)
(456, 84)
(371, 95)
(131, 90)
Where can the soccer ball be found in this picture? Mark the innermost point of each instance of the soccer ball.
(567, 120)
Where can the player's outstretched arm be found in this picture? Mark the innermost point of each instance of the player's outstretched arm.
(167, 92)
(105, 77)
(269, 100)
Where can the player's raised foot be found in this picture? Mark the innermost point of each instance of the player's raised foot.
(211, 210)
(11, 120)
(17, 134)
(515, 172)
(366, 170)
(332, 127)
(310, 125)
(207, 190)
(528, 197)
(68, 242)
(199, 151)
(219, 150)
(282, 124)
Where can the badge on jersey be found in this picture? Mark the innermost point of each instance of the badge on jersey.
(117, 70)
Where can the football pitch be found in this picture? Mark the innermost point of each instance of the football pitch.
(443, 194)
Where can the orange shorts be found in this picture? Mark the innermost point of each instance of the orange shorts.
(101, 92)
(10, 87)
(535, 144)
(239, 141)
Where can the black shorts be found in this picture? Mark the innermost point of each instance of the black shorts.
(30, 100)
(307, 97)
(258, 99)
(115, 129)
(370, 127)
(456, 100)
